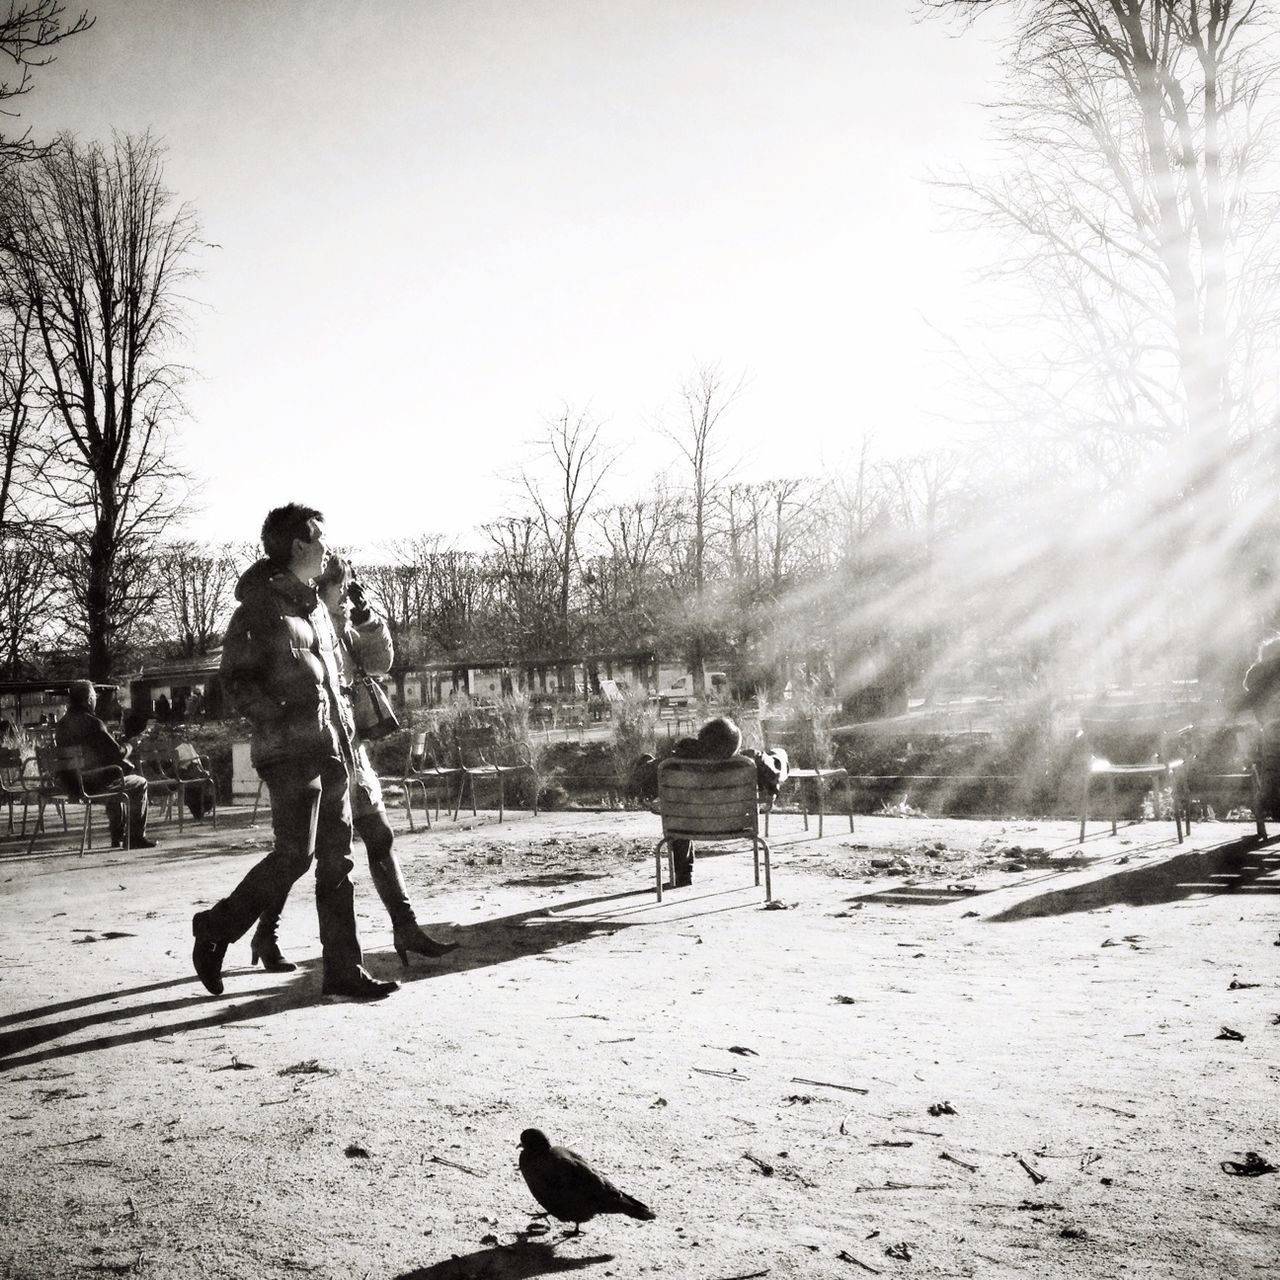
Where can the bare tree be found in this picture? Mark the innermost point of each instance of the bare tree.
(580, 461)
(704, 401)
(91, 241)
(29, 32)
(1138, 204)
(196, 584)
(28, 602)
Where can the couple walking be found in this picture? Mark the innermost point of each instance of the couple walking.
(299, 635)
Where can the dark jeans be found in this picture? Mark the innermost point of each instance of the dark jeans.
(310, 818)
(136, 786)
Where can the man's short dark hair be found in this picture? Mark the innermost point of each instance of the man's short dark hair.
(81, 694)
(720, 738)
(282, 526)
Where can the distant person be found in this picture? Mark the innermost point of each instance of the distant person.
(104, 763)
(1262, 696)
(718, 739)
(364, 640)
(162, 709)
(195, 706)
(178, 714)
(282, 668)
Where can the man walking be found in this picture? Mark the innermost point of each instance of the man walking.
(280, 669)
(105, 760)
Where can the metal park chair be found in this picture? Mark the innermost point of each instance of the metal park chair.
(64, 769)
(480, 759)
(710, 801)
(191, 772)
(153, 762)
(1136, 744)
(423, 770)
(1225, 759)
(783, 734)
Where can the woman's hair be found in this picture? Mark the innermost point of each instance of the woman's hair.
(336, 572)
(720, 737)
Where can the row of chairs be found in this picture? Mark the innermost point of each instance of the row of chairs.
(477, 758)
(56, 776)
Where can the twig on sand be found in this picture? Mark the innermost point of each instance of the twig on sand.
(826, 1084)
(906, 1186)
(1034, 1174)
(453, 1164)
(845, 1256)
(748, 1275)
(75, 1142)
(964, 1164)
(728, 1075)
(763, 1165)
(1128, 1115)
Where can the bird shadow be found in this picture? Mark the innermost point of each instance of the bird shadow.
(505, 1262)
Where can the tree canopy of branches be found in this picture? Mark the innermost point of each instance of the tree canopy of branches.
(29, 32)
(1137, 202)
(93, 248)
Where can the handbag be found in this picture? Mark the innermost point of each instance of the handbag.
(374, 717)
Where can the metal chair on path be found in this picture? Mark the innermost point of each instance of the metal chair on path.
(786, 735)
(65, 767)
(710, 801)
(478, 760)
(1135, 743)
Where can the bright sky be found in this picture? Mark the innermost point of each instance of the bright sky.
(436, 220)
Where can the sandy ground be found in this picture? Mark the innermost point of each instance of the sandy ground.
(763, 1078)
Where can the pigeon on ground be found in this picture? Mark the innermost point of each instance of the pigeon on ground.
(567, 1187)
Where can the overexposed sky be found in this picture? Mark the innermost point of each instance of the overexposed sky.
(437, 220)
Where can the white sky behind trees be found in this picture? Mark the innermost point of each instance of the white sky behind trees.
(437, 220)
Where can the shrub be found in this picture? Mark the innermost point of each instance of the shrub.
(635, 732)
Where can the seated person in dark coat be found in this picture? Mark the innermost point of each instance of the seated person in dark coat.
(718, 739)
(104, 761)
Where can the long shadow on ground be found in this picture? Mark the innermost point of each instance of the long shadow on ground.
(487, 942)
(1240, 866)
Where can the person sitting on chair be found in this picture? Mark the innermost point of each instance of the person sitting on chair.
(718, 739)
(104, 761)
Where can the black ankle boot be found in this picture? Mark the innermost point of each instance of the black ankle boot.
(357, 986)
(266, 950)
(409, 937)
(207, 956)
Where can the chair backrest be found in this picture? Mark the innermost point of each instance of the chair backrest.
(10, 765)
(62, 767)
(708, 799)
(476, 746)
(1140, 739)
(185, 756)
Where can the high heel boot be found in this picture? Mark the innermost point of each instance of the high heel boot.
(384, 870)
(264, 949)
(409, 937)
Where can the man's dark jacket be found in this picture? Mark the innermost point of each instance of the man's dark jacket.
(79, 728)
(281, 668)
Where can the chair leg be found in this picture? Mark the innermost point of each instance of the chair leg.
(86, 831)
(35, 829)
(820, 783)
(1255, 789)
(1111, 791)
(768, 873)
(657, 865)
(1084, 806)
(502, 796)
(257, 799)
